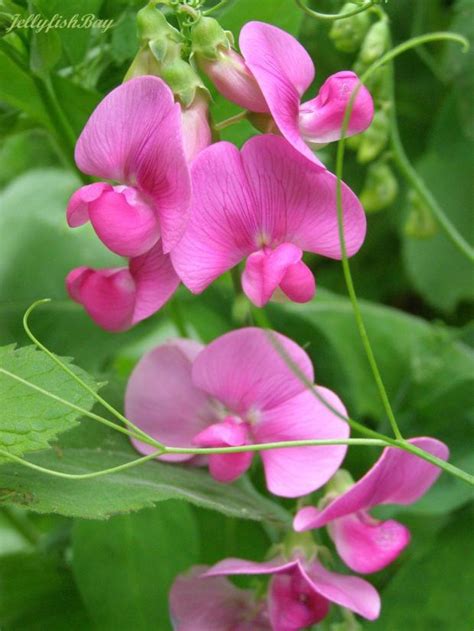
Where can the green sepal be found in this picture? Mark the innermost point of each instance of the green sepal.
(208, 38)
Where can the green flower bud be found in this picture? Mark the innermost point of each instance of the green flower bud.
(144, 63)
(208, 37)
(348, 34)
(420, 223)
(375, 138)
(152, 24)
(380, 188)
(375, 43)
(183, 80)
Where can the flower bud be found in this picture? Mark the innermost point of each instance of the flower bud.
(420, 223)
(347, 34)
(197, 133)
(152, 25)
(183, 80)
(375, 138)
(380, 188)
(208, 37)
(229, 73)
(375, 43)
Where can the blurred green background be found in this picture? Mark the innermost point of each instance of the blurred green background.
(61, 570)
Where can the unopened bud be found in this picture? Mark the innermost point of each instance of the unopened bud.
(347, 34)
(183, 80)
(197, 133)
(380, 188)
(376, 42)
(375, 138)
(420, 223)
(208, 37)
(152, 25)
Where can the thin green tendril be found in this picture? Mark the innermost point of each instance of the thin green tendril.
(330, 17)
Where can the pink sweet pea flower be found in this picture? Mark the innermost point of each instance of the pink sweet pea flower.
(266, 203)
(282, 71)
(301, 590)
(366, 544)
(214, 604)
(118, 298)
(197, 133)
(238, 391)
(134, 137)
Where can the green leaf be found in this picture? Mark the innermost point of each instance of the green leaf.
(125, 567)
(129, 490)
(45, 51)
(29, 420)
(434, 591)
(124, 44)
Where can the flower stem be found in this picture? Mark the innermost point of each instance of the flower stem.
(232, 120)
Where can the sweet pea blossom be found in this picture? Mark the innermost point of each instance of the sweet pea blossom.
(366, 544)
(266, 204)
(238, 391)
(276, 71)
(302, 589)
(214, 604)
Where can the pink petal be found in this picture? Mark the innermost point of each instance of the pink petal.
(294, 604)
(234, 567)
(124, 222)
(295, 201)
(156, 282)
(220, 230)
(283, 70)
(196, 129)
(77, 212)
(298, 283)
(397, 477)
(321, 119)
(265, 269)
(368, 545)
(213, 604)
(348, 591)
(161, 399)
(295, 471)
(231, 76)
(134, 137)
(244, 371)
(108, 295)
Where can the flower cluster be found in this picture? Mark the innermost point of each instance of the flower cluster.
(180, 208)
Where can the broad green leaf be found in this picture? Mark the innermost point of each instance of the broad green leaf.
(29, 420)
(45, 51)
(282, 13)
(37, 592)
(124, 44)
(434, 591)
(77, 101)
(129, 490)
(124, 567)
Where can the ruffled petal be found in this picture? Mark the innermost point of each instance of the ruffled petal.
(295, 200)
(161, 399)
(321, 119)
(368, 545)
(296, 471)
(134, 137)
(222, 226)
(265, 269)
(77, 212)
(124, 222)
(284, 71)
(347, 591)
(213, 604)
(245, 371)
(397, 477)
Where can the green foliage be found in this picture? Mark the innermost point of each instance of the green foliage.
(29, 420)
(124, 567)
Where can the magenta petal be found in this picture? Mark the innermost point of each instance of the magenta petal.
(134, 137)
(321, 118)
(220, 230)
(293, 602)
(125, 223)
(234, 567)
(298, 283)
(295, 201)
(155, 279)
(397, 477)
(265, 269)
(78, 206)
(107, 295)
(296, 471)
(213, 604)
(283, 70)
(161, 399)
(348, 591)
(368, 545)
(196, 129)
(245, 371)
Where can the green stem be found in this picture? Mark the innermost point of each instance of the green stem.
(174, 309)
(22, 524)
(232, 120)
(84, 385)
(236, 282)
(217, 6)
(329, 17)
